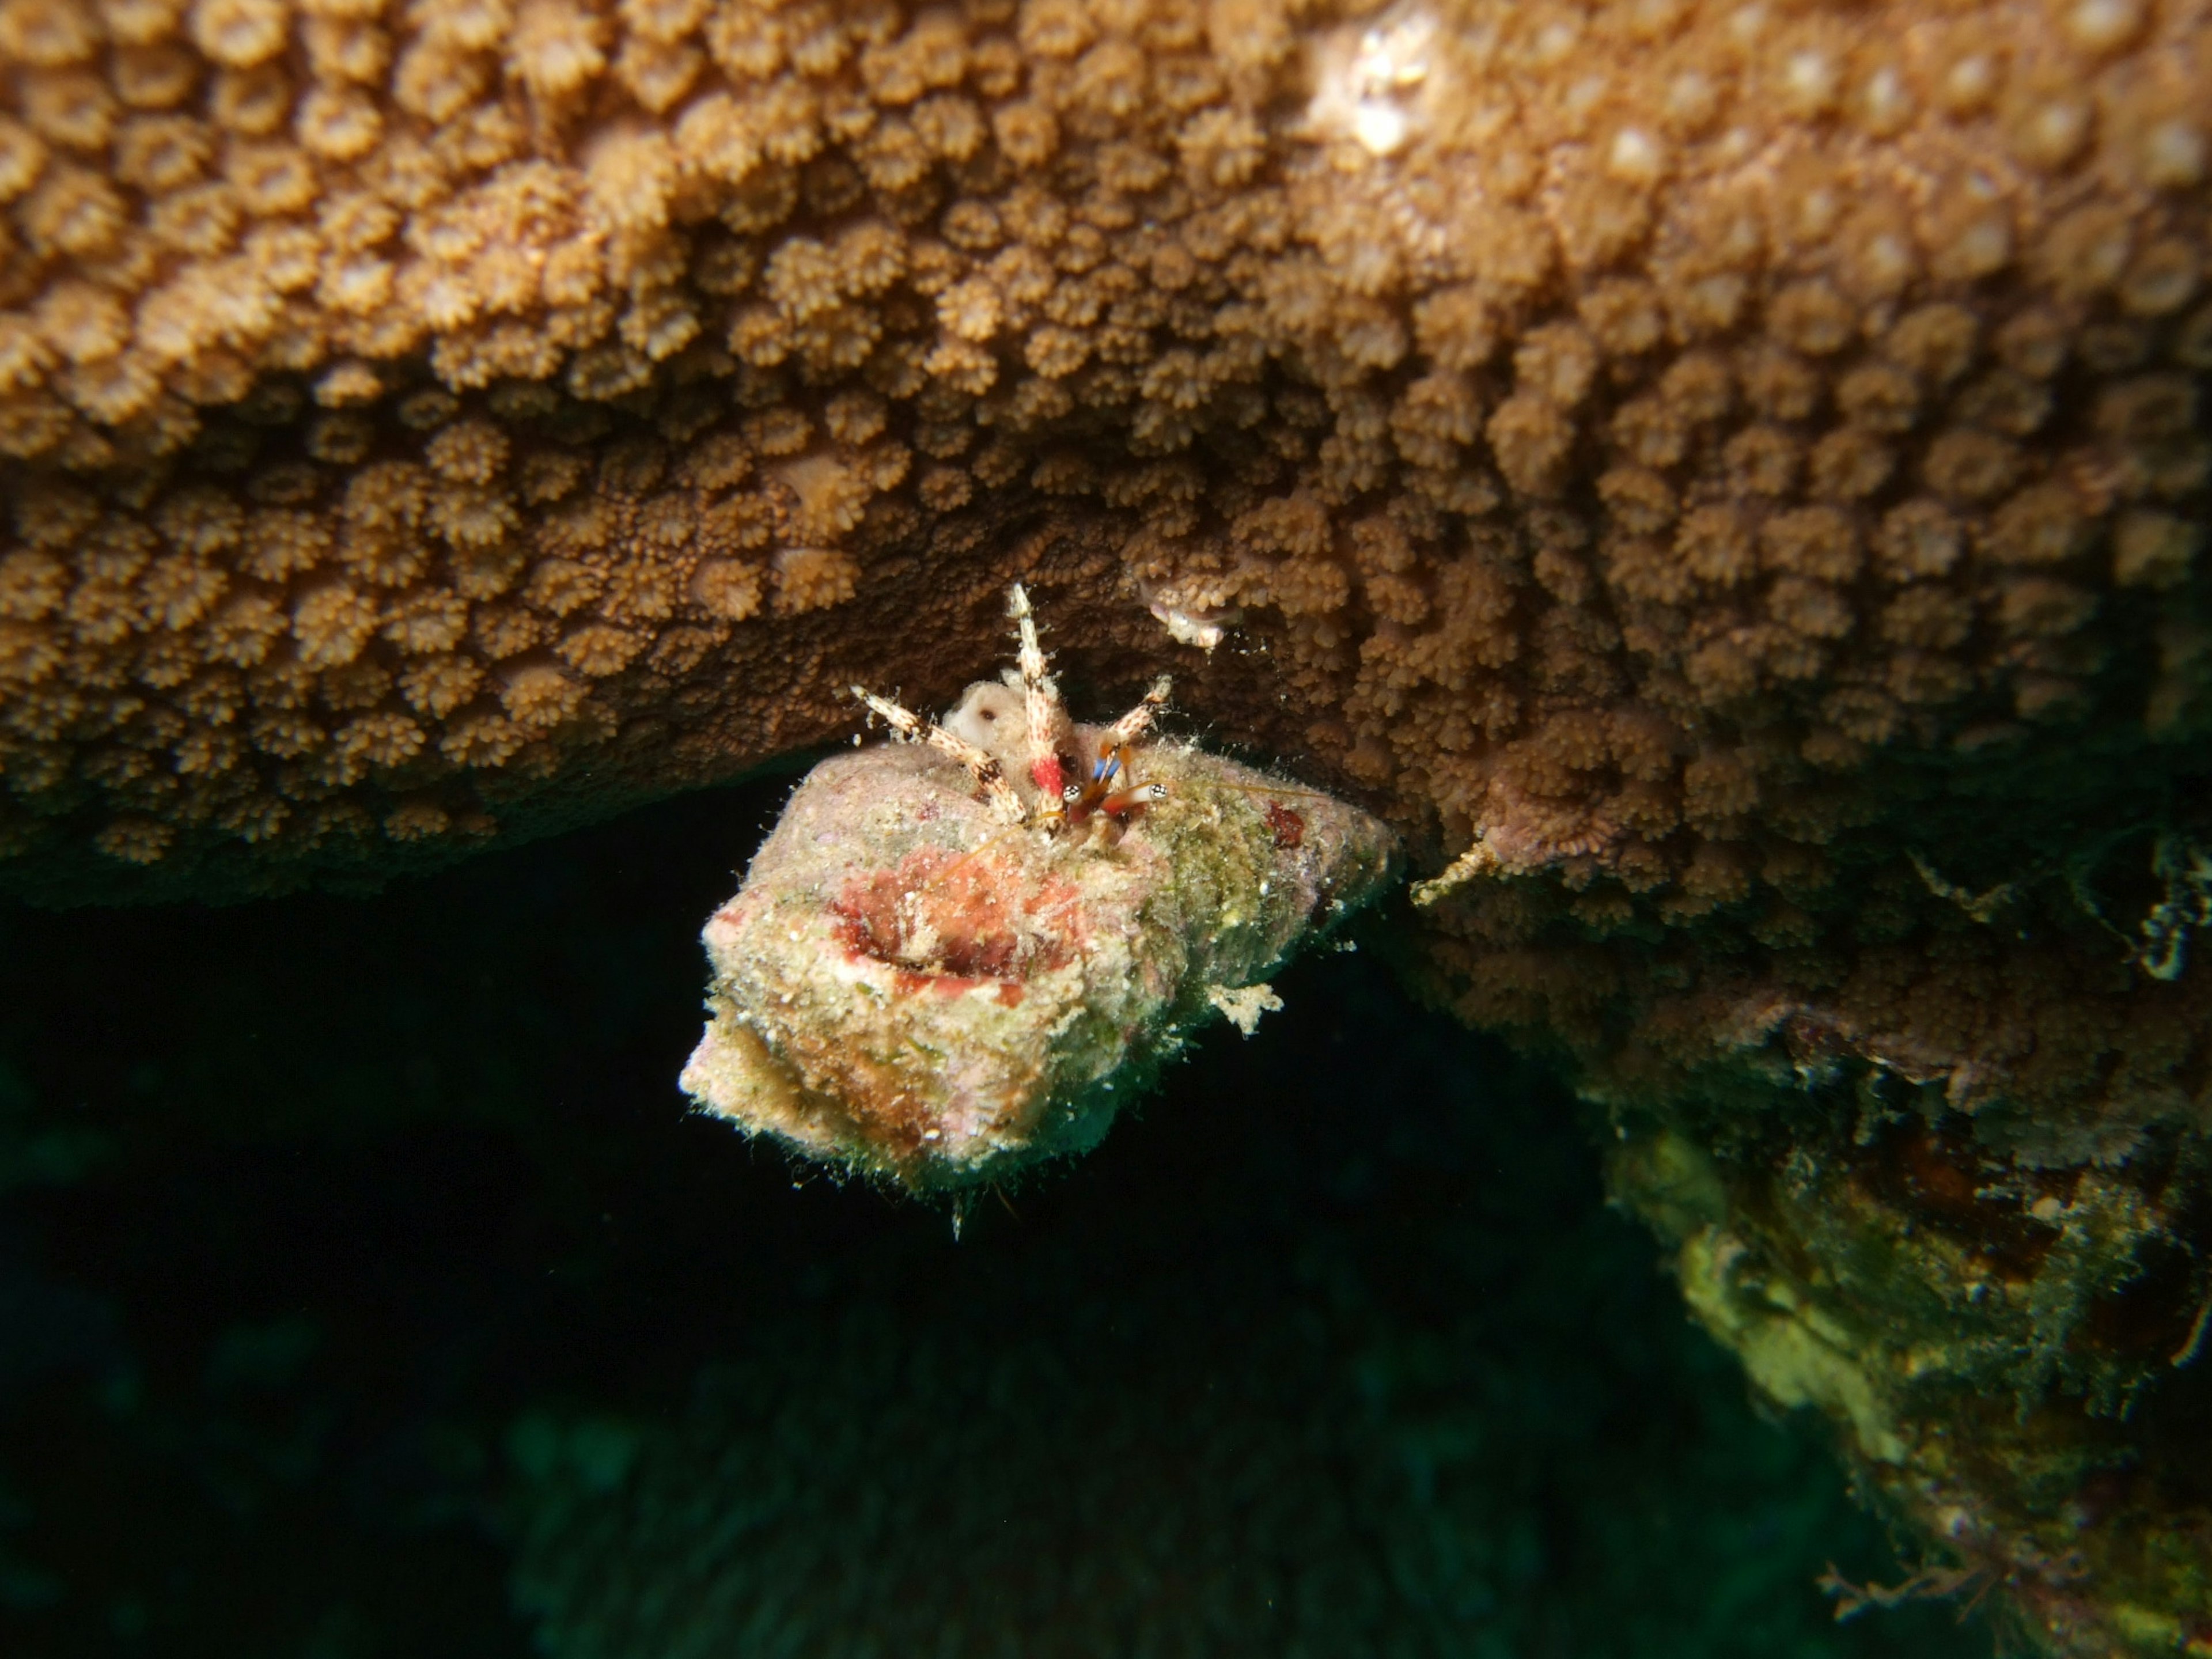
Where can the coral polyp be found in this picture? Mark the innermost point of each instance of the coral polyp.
(961, 952)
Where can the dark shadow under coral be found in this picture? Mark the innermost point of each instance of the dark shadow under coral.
(350, 1244)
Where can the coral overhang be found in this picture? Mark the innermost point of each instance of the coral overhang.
(1744, 462)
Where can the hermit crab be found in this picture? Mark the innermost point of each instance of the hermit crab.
(1110, 795)
(960, 952)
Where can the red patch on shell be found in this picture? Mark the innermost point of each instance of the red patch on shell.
(951, 922)
(1285, 826)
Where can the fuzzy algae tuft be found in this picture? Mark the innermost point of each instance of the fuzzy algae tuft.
(908, 986)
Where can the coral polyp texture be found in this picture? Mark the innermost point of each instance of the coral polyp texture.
(1732, 475)
(941, 967)
(1620, 421)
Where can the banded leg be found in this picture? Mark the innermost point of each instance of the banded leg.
(1134, 724)
(990, 777)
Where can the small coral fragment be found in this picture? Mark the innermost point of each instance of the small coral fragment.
(1243, 1007)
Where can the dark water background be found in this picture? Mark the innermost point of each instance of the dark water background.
(365, 1290)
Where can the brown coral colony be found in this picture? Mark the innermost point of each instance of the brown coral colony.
(395, 395)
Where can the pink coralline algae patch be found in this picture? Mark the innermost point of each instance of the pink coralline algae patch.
(953, 922)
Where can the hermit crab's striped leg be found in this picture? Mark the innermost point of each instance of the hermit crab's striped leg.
(990, 777)
(1139, 721)
(1041, 702)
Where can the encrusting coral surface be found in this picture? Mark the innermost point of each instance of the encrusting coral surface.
(1734, 471)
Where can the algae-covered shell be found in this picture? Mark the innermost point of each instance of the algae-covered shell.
(908, 985)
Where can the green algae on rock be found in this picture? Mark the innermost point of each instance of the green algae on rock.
(2008, 1353)
(936, 973)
